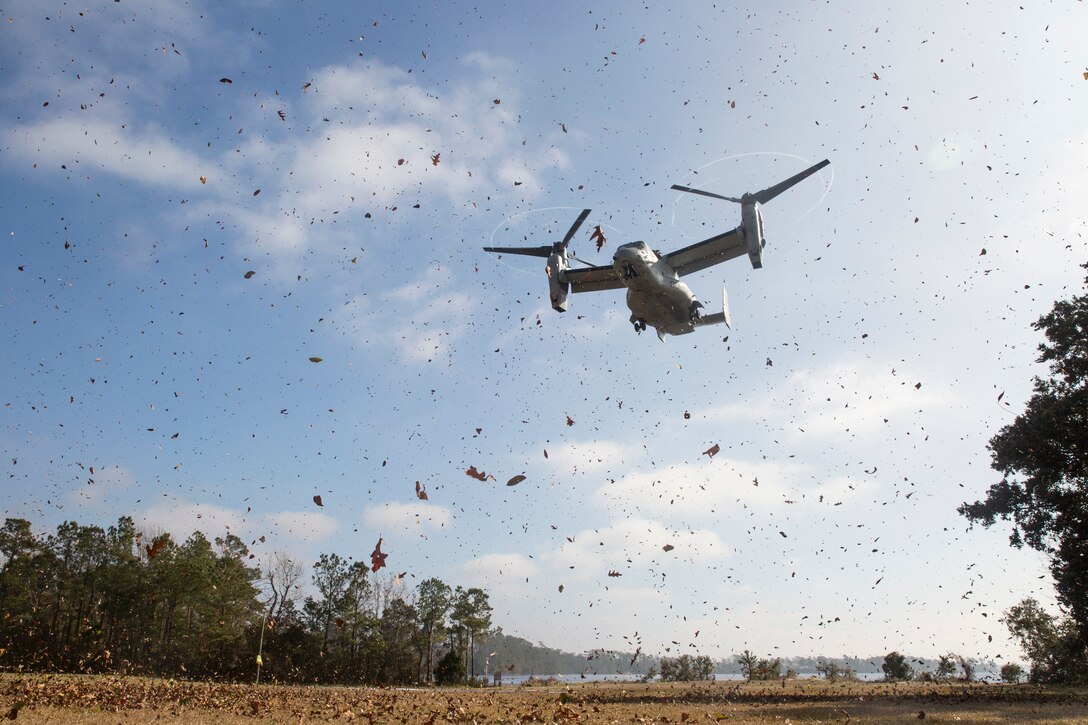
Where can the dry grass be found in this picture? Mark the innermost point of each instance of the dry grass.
(82, 700)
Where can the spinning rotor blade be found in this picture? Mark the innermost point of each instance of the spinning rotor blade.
(548, 250)
(711, 194)
(574, 227)
(527, 251)
(771, 192)
(760, 196)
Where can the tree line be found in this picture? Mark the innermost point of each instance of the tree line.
(93, 599)
(1042, 457)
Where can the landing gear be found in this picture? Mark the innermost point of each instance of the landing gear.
(693, 312)
(640, 325)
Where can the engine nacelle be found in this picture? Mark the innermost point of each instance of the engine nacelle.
(558, 289)
(752, 223)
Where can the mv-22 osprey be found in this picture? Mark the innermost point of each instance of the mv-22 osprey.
(656, 296)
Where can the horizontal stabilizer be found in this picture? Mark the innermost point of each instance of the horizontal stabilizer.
(718, 318)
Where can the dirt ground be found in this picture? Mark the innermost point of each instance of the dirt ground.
(82, 700)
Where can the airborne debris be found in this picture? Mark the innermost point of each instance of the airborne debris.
(377, 558)
(598, 235)
(478, 475)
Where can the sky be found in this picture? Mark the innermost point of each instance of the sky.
(200, 199)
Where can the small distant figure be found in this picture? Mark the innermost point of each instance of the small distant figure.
(498, 678)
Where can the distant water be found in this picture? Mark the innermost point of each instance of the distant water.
(593, 677)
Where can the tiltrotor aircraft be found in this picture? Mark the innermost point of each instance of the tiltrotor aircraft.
(656, 296)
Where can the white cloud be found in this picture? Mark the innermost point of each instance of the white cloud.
(97, 487)
(181, 518)
(302, 526)
(85, 147)
(592, 456)
(713, 487)
(852, 397)
(632, 541)
(432, 313)
(499, 570)
(414, 516)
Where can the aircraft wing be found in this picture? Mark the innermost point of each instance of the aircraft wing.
(592, 279)
(707, 253)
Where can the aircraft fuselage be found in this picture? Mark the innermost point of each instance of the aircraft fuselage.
(655, 294)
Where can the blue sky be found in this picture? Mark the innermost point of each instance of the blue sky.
(859, 385)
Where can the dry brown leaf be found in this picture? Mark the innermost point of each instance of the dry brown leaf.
(377, 558)
(478, 475)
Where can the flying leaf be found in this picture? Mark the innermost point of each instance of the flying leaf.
(306, 85)
(203, 179)
(614, 573)
(712, 451)
(154, 549)
(435, 159)
(478, 475)
(249, 274)
(316, 359)
(225, 80)
(570, 421)
(667, 547)
(377, 558)
(515, 480)
(598, 235)
(561, 588)
(282, 115)
(421, 492)
(317, 500)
